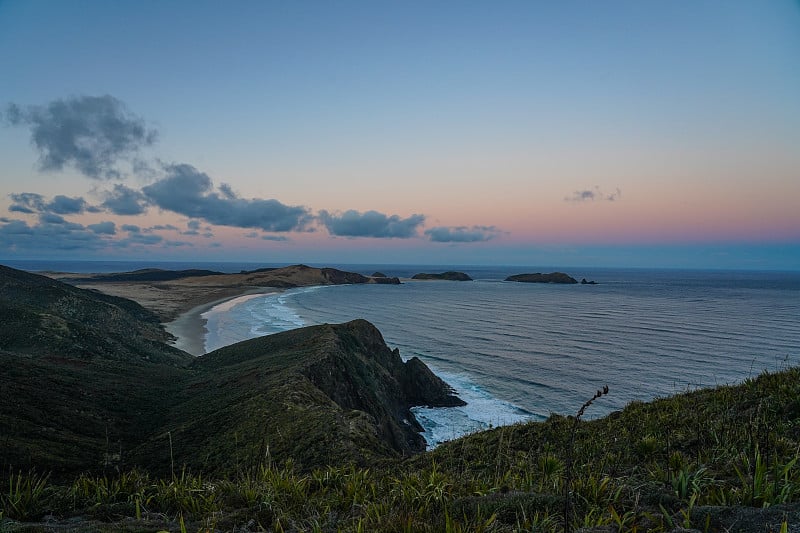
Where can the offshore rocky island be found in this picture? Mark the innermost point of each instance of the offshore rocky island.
(106, 427)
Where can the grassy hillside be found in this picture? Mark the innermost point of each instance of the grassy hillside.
(721, 460)
(322, 395)
(74, 363)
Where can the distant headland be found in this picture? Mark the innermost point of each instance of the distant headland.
(169, 293)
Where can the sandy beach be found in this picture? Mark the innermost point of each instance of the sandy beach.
(180, 306)
(180, 302)
(189, 327)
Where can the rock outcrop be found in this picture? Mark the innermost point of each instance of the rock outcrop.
(552, 277)
(382, 279)
(447, 276)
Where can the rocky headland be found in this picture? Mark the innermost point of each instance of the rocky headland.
(91, 384)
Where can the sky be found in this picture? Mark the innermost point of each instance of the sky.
(614, 134)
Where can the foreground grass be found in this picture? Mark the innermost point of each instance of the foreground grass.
(723, 459)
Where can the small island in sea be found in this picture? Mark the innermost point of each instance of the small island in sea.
(446, 276)
(552, 277)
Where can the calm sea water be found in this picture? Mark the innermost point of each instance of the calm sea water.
(518, 351)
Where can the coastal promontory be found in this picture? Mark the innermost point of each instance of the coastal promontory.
(170, 293)
(446, 276)
(552, 277)
(91, 385)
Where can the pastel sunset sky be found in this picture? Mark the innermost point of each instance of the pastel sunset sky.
(619, 133)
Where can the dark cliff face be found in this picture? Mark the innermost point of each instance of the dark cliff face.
(423, 387)
(363, 373)
(348, 400)
(553, 277)
(340, 277)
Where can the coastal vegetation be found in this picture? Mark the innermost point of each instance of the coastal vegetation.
(103, 427)
(723, 459)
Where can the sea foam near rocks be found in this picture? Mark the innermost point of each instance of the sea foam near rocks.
(483, 411)
(254, 315)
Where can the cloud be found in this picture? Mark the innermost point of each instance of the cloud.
(16, 208)
(16, 227)
(227, 191)
(594, 194)
(189, 192)
(125, 201)
(462, 233)
(17, 235)
(142, 238)
(51, 218)
(581, 196)
(91, 133)
(104, 228)
(54, 233)
(27, 202)
(257, 235)
(194, 227)
(64, 205)
(370, 224)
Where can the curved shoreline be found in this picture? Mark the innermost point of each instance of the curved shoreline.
(189, 328)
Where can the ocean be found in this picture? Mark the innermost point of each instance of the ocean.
(516, 351)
